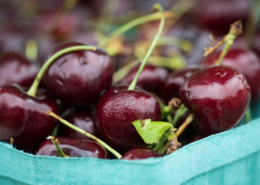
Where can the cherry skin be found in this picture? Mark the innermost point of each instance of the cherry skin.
(244, 61)
(174, 82)
(15, 68)
(117, 109)
(79, 77)
(140, 153)
(83, 119)
(73, 148)
(218, 15)
(151, 79)
(24, 118)
(218, 96)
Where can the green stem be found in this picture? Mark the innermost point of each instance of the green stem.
(187, 121)
(252, 24)
(179, 113)
(33, 88)
(165, 111)
(107, 15)
(181, 7)
(121, 73)
(85, 133)
(133, 84)
(170, 135)
(184, 45)
(234, 31)
(56, 144)
(248, 115)
(136, 22)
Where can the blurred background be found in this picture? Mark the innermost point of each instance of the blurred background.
(32, 27)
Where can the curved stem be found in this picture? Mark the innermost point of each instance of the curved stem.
(136, 22)
(133, 84)
(33, 88)
(56, 144)
(187, 121)
(102, 143)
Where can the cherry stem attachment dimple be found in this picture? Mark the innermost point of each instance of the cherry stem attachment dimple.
(160, 9)
(56, 144)
(33, 88)
(136, 22)
(102, 143)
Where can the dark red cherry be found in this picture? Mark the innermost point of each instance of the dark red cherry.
(15, 68)
(24, 118)
(140, 153)
(73, 148)
(218, 96)
(244, 61)
(151, 79)
(79, 77)
(117, 109)
(218, 15)
(83, 119)
(175, 80)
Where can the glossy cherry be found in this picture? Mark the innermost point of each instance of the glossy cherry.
(218, 96)
(24, 118)
(175, 80)
(218, 15)
(117, 109)
(15, 68)
(151, 79)
(73, 148)
(83, 119)
(140, 153)
(244, 61)
(79, 77)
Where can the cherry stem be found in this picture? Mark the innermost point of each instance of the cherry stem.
(248, 115)
(149, 52)
(84, 133)
(136, 22)
(252, 25)
(187, 121)
(235, 30)
(184, 45)
(56, 144)
(179, 113)
(107, 15)
(31, 49)
(33, 88)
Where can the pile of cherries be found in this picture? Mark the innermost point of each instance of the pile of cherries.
(97, 103)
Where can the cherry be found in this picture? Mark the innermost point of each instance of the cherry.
(73, 148)
(23, 117)
(79, 77)
(140, 153)
(151, 79)
(175, 80)
(83, 119)
(218, 96)
(117, 109)
(15, 68)
(244, 61)
(219, 14)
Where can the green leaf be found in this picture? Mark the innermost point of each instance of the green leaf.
(151, 131)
